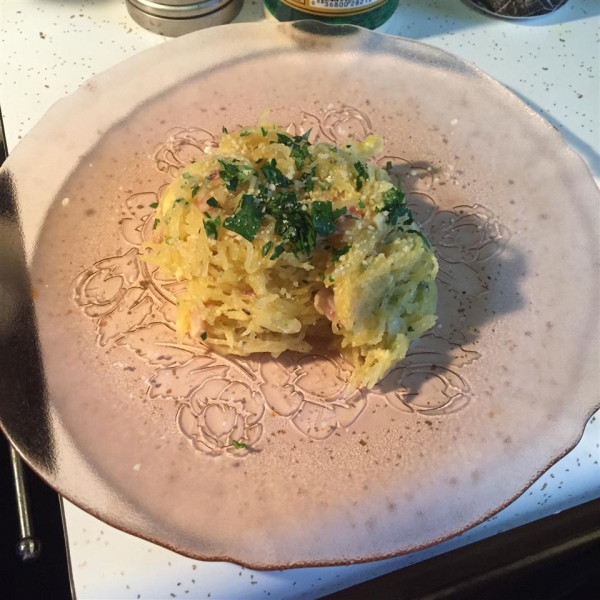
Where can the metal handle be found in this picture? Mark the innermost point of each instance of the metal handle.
(28, 547)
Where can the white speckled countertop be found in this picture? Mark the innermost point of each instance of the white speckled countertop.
(48, 48)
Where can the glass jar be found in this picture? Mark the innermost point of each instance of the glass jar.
(371, 14)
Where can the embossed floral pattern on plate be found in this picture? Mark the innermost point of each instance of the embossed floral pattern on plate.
(223, 400)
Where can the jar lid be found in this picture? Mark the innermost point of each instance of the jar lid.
(173, 18)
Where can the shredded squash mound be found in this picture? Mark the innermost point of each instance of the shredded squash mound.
(275, 236)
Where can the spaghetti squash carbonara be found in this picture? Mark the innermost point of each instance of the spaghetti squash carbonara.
(275, 237)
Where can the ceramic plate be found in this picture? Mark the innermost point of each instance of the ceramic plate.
(137, 429)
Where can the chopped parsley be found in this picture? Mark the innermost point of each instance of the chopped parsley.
(340, 212)
(247, 219)
(277, 252)
(179, 200)
(389, 166)
(292, 222)
(238, 445)
(423, 237)
(300, 154)
(232, 174)
(154, 205)
(284, 139)
(274, 175)
(266, 248)
(299, 147)
(203, 336)
(307, 179)
(224, 129)
(395, 205)
(324, 217)
(195, 190)
(156, 222)
(335, 257)
(186, 175)
(361, 174)
(361, 204)
(211, 226)
(244, 133)
(213, 202)
(264, 131)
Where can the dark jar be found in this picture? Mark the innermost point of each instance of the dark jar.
(371, 14)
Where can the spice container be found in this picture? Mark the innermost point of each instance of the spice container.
(518, 9)
(371, 14)
(177, 17)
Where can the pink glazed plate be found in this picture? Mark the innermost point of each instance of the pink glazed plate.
(137, 429)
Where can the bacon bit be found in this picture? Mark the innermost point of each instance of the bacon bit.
(213, 175)
(324, 303)
(356, 211)
(248, 292)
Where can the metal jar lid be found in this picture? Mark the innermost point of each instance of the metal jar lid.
(178, 17)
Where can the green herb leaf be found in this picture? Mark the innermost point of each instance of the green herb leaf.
(293, 222)
(307, 179)
(203, 336)
(395, 205)
(247, 219)
(264, 131)
(389, 166)
(322, 217)
(339, 212)
(361, 204)
(299, 148)
(274, 175)
(186, 175)
(266, 248)
(179, 200)
(277, 252)
(211, 226)
(238, 445)
(232, 174)
(423, 237)
(244, 133)
(154, 205)
(224, 129)
(229, 175)
(299, 154)
(156, 222)
(361, 174)
(213, 202)
(335, 257)
(195, 190)
(331, 279)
